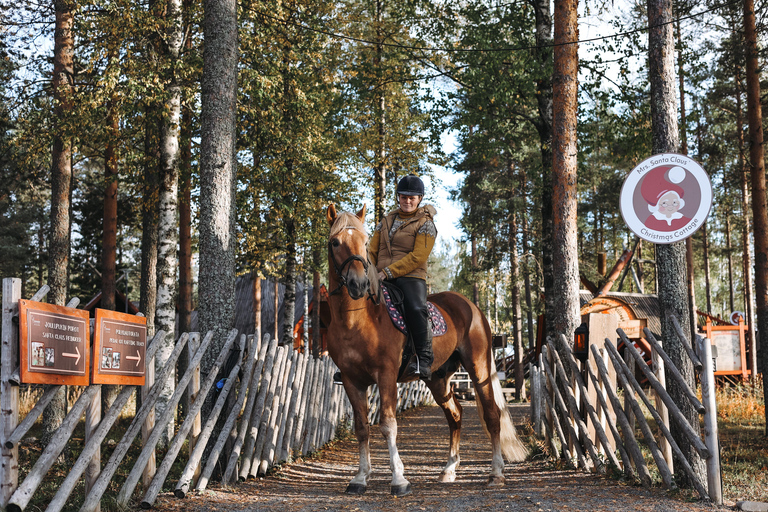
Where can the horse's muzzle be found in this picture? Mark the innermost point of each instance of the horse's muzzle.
(357, 286)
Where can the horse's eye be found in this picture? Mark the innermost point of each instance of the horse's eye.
(335, 242)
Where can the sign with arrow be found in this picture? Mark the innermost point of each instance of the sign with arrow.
(119, 348)
(54, 344)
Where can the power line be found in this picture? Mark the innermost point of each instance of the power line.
(506, 49)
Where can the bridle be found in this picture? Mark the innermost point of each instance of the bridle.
(342, 276)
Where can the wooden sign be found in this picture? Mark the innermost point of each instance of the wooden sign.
(119, 348)
(54, 344)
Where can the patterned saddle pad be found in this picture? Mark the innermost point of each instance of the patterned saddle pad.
(436, 320)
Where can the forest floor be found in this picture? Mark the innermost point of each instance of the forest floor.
(317, 483)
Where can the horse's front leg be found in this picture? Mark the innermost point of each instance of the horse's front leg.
(388, 393)
(359, 400)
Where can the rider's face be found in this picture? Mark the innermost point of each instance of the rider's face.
(408, 204)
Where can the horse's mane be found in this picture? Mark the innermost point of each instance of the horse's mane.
(347, 220)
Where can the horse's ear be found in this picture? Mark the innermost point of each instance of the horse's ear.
(361, 214)
(331, 214)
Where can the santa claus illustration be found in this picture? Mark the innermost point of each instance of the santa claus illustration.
(661, 189)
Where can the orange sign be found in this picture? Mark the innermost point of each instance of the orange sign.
(54, 344)
(119, 348)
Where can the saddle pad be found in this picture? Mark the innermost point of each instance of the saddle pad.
(436, 320)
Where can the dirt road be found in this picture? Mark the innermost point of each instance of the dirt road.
(318, 483)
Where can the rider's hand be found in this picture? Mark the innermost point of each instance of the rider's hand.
(382, 276)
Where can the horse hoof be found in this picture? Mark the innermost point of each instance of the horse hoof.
(356, 489)
(447, 477)
(401, 490)
(495, 481)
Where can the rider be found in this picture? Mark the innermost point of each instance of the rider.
(399, 247)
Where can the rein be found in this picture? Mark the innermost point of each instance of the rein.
(342, 277)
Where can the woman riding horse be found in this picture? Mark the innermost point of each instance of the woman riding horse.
(368, 349)
(400, 247)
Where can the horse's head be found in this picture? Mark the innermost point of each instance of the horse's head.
(347, 251)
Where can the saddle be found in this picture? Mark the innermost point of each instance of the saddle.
(394, 308)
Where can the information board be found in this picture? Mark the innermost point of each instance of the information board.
(119, 348)
(54, 344)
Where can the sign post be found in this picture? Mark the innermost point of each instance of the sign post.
(54, 344)
(119, 348)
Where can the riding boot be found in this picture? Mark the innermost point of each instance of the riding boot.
(417, 321)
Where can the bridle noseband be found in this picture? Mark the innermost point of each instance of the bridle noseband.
(341, 276)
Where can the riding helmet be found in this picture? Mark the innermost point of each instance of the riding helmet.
(410, 185)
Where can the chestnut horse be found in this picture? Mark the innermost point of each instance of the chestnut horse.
(368, 349)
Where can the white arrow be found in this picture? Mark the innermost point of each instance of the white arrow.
(136, 358)
(76, 356)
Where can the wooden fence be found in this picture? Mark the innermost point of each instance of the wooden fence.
(279, 403)
(591, 425)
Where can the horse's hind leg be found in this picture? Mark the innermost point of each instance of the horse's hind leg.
(490, 414)
(359, 400)
(388, 394)
(443, 395)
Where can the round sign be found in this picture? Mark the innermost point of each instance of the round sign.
(735, 316)
(666, 198)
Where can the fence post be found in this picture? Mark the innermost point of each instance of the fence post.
(714, 484)
(9, 394)
(192, 391)
(661, 407)
(149, 423)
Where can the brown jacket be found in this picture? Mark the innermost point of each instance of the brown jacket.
(401, 243)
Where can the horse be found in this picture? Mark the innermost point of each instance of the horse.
(368, 349)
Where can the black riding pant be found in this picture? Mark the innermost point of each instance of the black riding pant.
(417, 315)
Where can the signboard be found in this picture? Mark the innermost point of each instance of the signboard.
(119, 348)
(54, 344)
(728, 351)
(666, 198)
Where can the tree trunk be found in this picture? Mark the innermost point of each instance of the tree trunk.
(759, 211)
(109, 241)
(670, 259)
(317, 340)
(544, 56)
(289, 295)
(257, 305)
(565, 265)
(380, 178)
(149, 207)
(526, 271)
(217, 174)
(730, 261)
(745, 231)
(61, 183)
(514, 274)
(475, 288)
(185, 243)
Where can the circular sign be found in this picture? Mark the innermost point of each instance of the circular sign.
(666, 198)
(735, 316)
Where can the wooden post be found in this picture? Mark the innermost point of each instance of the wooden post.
(628, 391)
(285, 407)
(133, 477)
(301, 407)
(664, 445)
(258, 407)
(23, 494)
(297, 389)
(173, 449)
(192, 391)
(629, 430)
(261, 438)
(714, 483)
(92, 420)
(247, 382)
(32, 416)
(271, 433)
(149, 423)
(9, 394)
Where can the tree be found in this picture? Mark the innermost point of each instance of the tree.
(565, 267)
(670, 258)
(217, 173)
(759, 209)
(61, 178)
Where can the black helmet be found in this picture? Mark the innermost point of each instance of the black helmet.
(410, 185)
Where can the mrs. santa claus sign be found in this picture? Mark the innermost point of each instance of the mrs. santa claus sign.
(666, 198)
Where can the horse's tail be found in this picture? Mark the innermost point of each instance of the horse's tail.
(511, 447)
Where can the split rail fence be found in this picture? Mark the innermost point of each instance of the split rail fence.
(581, 410)
(276, 403)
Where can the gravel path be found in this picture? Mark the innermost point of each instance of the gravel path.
(318, 483)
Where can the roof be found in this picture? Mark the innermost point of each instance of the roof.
(644, 306)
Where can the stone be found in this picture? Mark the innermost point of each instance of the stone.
(752, 506)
